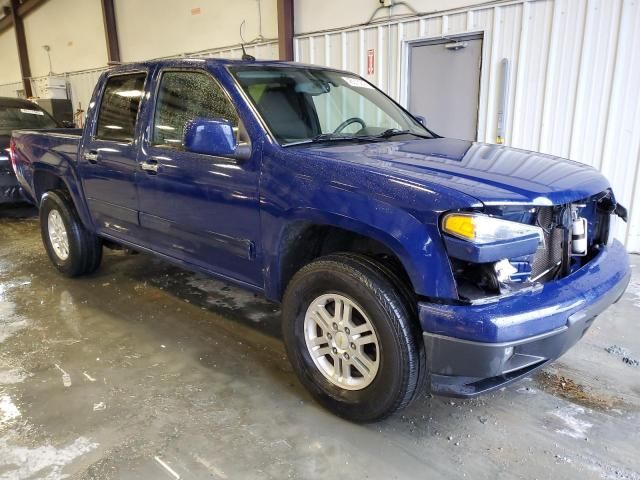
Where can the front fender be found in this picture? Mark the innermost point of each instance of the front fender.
(416, 245)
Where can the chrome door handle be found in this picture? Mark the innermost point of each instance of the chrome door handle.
(91, 157)
(150, 167)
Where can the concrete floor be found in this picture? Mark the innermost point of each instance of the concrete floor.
(144, 370)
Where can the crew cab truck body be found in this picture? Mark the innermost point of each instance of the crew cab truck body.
(400, 257)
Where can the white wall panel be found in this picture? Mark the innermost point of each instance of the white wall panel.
(168, 27)
(73, 29)
(9, 63)
(622, 134)
(575, 71)
(10, 89)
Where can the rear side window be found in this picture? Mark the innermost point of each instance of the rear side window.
(183, 96)
(15, 117)
(119, 107)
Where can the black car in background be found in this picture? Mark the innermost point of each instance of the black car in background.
(17, 114)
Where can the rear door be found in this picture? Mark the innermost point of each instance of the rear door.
(108, 158)
(199, 208)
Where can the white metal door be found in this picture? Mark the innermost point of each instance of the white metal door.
(444, 85)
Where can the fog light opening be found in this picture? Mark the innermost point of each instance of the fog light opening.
(508, 353)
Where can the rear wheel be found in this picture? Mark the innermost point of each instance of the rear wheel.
(351, 337)
(70, 246)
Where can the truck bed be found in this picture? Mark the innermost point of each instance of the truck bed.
(50, 147)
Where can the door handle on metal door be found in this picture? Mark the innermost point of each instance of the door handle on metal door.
(91, 156)
(151, 167)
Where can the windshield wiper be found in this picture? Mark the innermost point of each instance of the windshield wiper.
(330, 137)
(392, 132)
(333, 137)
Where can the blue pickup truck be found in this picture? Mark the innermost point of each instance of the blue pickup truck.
(403, 260)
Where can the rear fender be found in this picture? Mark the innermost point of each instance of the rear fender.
(43, 172)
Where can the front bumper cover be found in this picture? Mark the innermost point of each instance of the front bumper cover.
(461, 365)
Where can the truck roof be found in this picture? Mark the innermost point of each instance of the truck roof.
(213, 62)
(16, 102)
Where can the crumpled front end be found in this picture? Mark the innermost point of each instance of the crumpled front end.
(522, 303)
(538, 245)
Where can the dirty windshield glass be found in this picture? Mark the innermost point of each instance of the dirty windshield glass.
(306, 104)
(16, 118)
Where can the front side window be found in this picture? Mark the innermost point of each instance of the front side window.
(184, 96)
(119, 107)
(307, 104)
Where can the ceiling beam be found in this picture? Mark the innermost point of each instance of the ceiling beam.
(285, 29)
(21, 42)
(111, 30)
(27, 6)
(6, 22)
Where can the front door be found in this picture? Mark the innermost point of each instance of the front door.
(444, 85)
(108, 159)
(199, 208)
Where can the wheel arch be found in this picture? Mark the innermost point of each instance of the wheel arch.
(47, 178)
(313, 234)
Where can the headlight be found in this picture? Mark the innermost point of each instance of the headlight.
(482, 229)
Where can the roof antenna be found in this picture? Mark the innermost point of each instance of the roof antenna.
(245, 55)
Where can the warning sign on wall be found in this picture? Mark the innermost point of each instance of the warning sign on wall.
(370, 61)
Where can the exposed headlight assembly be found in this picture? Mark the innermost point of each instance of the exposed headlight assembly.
(482, 229)
(480, 238)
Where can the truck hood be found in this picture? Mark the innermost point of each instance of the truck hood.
(494, 175)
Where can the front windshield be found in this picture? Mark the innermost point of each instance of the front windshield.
(23, 117)
(301, 105)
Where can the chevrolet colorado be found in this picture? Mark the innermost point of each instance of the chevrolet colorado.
(402, 259)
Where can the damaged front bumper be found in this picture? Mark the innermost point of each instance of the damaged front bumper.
(472, 349)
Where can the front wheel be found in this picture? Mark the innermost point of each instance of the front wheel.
(351, 337)
(71, 247)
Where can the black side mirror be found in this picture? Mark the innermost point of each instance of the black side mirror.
(68, 124)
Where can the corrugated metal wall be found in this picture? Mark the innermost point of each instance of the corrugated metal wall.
(574, 80)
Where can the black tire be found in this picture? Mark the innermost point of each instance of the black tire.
(370, 285)
(85, 248)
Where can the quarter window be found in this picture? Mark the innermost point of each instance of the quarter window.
(119, 107)
(184, 96)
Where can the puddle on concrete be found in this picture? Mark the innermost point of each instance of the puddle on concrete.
(12, 376)
(572, 424)
(44, 462)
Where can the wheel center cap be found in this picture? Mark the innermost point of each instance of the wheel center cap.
(342, 341)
